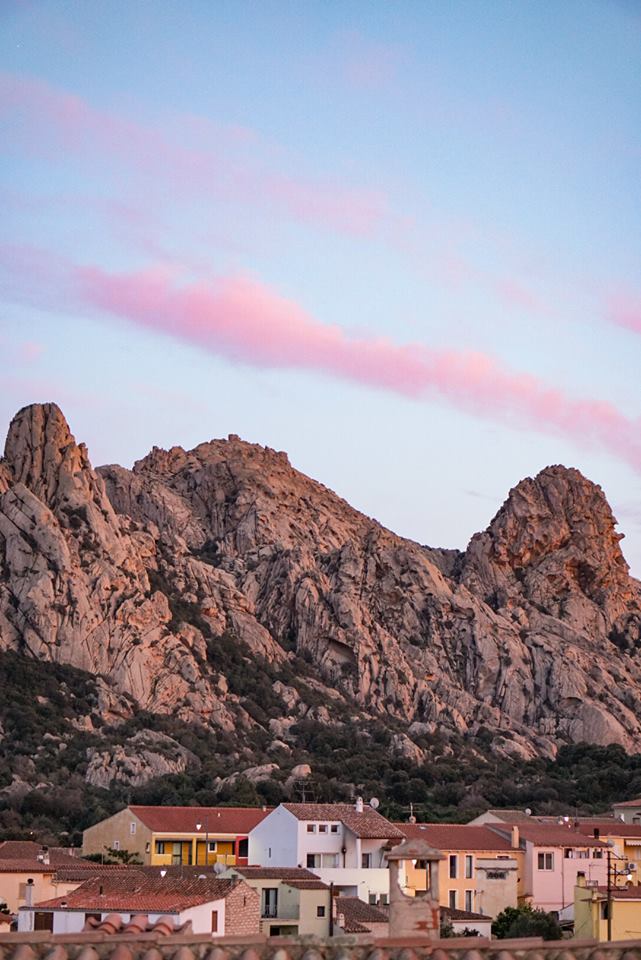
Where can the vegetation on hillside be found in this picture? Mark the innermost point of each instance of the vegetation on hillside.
(49, 720)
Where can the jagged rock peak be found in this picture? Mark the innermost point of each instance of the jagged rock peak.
(557, 509)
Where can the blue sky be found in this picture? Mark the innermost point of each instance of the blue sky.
(401, 241)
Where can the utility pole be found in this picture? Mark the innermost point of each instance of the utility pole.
(609, 894)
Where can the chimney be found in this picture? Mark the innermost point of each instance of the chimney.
(597, 833)
(515, 837)
(358, 806)
(28, 893)
(44, 856)
(580, 879)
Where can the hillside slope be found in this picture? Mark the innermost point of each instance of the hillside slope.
(222, 587)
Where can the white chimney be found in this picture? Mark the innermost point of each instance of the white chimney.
(28, 893)
(515, 837)
(358, 806)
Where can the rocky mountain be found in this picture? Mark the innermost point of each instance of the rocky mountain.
(222, 587)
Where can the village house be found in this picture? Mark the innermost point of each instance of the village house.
(209, 905)
(628, 811)
(343, 843)
(464, 922)
(480, 870)
(162, 836)
(357, 919)
(591, 905)
(293, 901)
(29, 871)
(555, 854)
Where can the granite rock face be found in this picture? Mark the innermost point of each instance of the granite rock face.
(136, 575)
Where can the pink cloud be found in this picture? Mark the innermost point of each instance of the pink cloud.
(624, 310)
(244, 321)
(197, 159)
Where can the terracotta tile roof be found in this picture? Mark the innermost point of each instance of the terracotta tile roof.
(610, 828)
(629, 803)
(29, 850)
(25, 866)
(451, 913)
(456, 836)
(548, 835)
(358, 914)
(307, 884)
(114, 924)
(86, 868)
(621, 893)
(139, 892)
(237, 821)
(368, 825)
(275, 873)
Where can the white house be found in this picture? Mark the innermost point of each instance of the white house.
(221, 907)
(343, 844)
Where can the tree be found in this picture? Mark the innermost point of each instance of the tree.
(3, 907)
(526, 921)
(115, 856)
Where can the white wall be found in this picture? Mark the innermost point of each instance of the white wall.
(200, 917)
(361, 882)
(273, 842)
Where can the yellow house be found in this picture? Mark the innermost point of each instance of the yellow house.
(480, 872)
(624, 839)
(591, 906)
(164, 836)
(294, 902)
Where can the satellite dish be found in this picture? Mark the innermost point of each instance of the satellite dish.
(528, 812)
(374, 803)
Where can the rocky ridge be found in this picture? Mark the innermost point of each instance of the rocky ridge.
(169, 580)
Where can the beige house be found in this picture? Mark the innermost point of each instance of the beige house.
(293, 901)
(166, 836)
(29, 872)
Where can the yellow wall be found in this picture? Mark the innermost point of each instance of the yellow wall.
(190, 849)
(415, 879)
(589, 922)
(118, 829)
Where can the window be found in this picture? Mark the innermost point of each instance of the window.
(469, 866)
(132, 828)
(568, 853)
(545, 861)
(372, 899)
(214, 921)
(453, 866)
(322, 828)
(115, 845)
(212, 846)
(469, 900)
(148, 847)
(269, 853)
(311, 828)
(313, 861)
(243, 848)
(270, 902)
(160, 846)
(597, 853)
(452, 899)
(320, 911)
(383, 900)
(43, 921)
(604, 910)
(366, 861)
(334, 828)
(329, 860)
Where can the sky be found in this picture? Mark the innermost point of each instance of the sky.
(399, 240)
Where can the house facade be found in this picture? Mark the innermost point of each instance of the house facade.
(480, 870)
(165, 836)
(343, 844)
(227, 907)
(293, 901)
(628, 811)
(554, 856)
(591, 906)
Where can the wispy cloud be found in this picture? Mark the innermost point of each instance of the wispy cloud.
(244, 321)
(193, 156)
(624, 310)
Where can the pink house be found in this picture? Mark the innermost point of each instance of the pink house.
(554, 856)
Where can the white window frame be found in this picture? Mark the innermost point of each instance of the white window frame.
(132, 828)
(453, 866)
(469, 866)
(311, 828)
(452, 899)
(545, 860)
(469, 901)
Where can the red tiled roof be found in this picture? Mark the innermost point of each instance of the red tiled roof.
(25, 866)
(84, 869)
(138, 891)
(307, 884)
(275, 873)
(629, 803)
(368, 825)
(29, 850)
(548, 835)
(358, 914)
(621, 893)
(610, 828)
(451, 913)
(237, 821)
(455, 836)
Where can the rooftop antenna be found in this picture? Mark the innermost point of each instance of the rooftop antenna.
(412, 818)
(374, 803)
